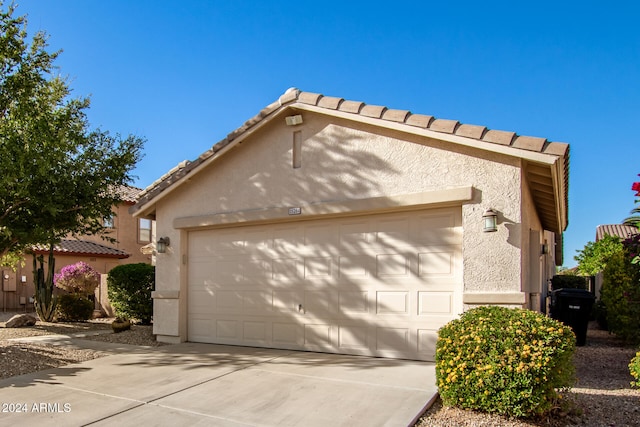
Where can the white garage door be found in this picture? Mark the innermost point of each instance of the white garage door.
(377, 285)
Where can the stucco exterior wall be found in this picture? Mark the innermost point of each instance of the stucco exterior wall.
(343, 160)
(125, 231)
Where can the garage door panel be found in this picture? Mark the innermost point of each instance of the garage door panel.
(321, 237)
(378, 285)
(288, 301)
(392, 265)
(392, 232)
(232, 241)
(256, 269)
(288, 239)
(287, 333)
(254, 331)
(201, 328)
(317, 335)
(257, 240)
(427, 341)
(317, 267)
(355, 267)
(202, 300)
(436, 230)
(353, 337)
(394, 303)
(354, 235)
(438, 263)
(393, 339)
(287, 269)
(438, 303)
(227, 272)
(228, 329)
(353, 302)
(246, 302)
(318, 303)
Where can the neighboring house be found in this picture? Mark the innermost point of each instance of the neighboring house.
(330, 225)
(130, 234)
(618, 230)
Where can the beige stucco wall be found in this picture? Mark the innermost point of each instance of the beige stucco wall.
(343, 161)
(125, 231)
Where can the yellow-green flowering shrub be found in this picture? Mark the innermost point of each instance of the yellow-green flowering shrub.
(634, 368)
(506, 361)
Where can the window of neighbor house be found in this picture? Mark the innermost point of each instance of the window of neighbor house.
(144, 230)
(107, 222)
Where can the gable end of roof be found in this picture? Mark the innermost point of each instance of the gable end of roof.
(560, 151)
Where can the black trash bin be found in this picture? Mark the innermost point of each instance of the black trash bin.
(573, 308)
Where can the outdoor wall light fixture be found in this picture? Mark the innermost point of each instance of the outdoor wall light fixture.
(490, 220)
(162, 244)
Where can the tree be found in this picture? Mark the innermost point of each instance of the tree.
(58, 176)
(593, 258)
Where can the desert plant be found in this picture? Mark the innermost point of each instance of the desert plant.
(74, 307)
(78, 278)
(506, 361)
(634, 369)
(45, 301)
(129, 288)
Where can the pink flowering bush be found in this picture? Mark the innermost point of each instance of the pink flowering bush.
(78, 278)
(79, 281)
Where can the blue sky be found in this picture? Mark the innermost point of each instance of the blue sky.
(185, 73)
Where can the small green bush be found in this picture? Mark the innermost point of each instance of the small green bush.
(634, 368)
(74, 308)
(129, 288)
(505, 361)
(562, 281)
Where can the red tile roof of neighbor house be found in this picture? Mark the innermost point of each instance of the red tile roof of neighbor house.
(555, 212)
(617, 230)
(128, 194)
(83, 248)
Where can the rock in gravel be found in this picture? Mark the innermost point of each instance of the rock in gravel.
(20, 320)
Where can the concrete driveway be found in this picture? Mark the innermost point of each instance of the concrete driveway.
(214, 385)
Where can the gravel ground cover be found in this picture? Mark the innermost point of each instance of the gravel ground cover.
(602, 395)
(19, 358)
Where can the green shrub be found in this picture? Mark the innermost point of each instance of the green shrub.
(620, 295)
(600, 314)
(562, 281)
(505, 361)
(634, 368)
(129, 288)
(74, 308)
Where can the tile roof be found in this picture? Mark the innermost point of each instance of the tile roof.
(128, 194)
(619, 230)
(82, 247)
(294, 98)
